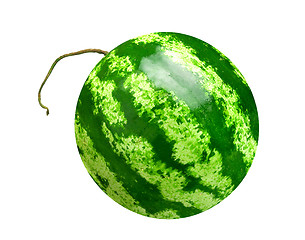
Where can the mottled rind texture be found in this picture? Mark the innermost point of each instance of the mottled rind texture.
(166, 125)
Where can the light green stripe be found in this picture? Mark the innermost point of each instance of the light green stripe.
(166, 214)
(121, 65)
(104, 101)
(167, 42)
(210, 174)
(153, 37)
(138, 153)
(96, 165)
(102, 89)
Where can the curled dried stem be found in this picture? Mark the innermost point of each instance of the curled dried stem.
(93, 50)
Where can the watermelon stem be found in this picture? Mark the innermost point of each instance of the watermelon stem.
(56, 61)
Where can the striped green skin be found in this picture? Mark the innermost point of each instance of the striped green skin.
(166, 125)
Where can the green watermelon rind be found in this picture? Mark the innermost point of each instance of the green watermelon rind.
(155, 151)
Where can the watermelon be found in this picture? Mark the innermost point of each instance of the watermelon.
(166, 125)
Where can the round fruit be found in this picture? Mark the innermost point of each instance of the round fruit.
(166, 125)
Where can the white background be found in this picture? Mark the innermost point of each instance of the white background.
(46, 192)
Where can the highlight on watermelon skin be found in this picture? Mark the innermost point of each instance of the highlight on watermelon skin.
(166, 125)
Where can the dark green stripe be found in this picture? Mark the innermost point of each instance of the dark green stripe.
(222, 140)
